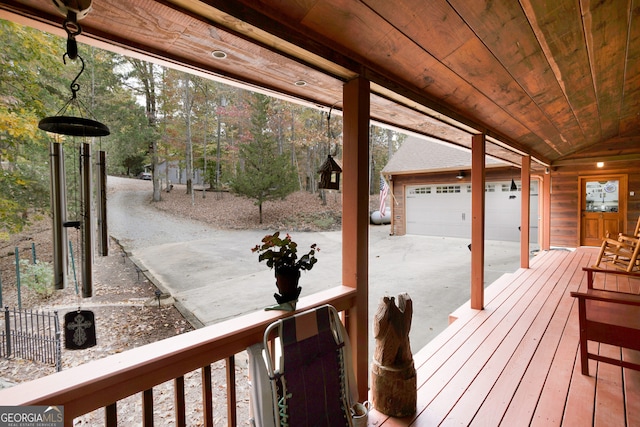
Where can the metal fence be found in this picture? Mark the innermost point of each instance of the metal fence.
(31, 335)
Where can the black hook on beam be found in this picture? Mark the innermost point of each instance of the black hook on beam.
(75, 87)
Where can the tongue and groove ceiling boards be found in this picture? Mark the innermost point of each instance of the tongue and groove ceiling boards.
(556, 80)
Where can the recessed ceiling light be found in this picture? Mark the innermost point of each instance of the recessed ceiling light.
(218, 54)
(300, 83)
(600, 164)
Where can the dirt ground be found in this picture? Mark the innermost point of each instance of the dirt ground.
(125, 305)
(300, 211)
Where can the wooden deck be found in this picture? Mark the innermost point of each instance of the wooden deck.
(517, 363)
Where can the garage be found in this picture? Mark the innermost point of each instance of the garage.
(445, 210)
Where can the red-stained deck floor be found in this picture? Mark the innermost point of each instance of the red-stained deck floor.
(517, 362)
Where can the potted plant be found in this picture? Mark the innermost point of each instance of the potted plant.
(281, 254)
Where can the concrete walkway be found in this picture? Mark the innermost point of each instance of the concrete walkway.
(213, 275)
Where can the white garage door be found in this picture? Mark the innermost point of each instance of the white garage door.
(445, 210)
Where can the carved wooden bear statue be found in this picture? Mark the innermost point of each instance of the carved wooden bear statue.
(393, 375)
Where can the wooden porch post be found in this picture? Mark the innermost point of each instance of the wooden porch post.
(355, 221)
(545, 223)
(525, 207)
(477, 221)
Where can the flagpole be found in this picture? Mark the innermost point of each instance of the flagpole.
(393, 197)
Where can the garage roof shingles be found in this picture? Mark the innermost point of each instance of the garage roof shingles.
(417, 155)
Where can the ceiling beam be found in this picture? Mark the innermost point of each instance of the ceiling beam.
(592, 160)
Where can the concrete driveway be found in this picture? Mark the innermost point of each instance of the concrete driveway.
(214, 275)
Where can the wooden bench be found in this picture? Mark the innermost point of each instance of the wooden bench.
(609, 317)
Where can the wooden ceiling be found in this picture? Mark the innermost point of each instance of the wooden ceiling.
(553, 79)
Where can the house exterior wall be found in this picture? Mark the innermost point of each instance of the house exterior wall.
(565, 198)
(178, 175)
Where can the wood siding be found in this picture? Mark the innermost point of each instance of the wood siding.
(565, 196)
(565, 199)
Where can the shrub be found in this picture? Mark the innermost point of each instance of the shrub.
(38, 277)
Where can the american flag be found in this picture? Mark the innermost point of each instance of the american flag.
(384, 190)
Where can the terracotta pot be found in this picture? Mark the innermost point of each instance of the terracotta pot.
(287, 282)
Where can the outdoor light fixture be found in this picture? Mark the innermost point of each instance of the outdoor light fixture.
(218, 54)
(600, 164)
(300, 83)
(460, 175)
(513, 187)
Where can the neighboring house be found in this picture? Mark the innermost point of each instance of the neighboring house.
(431, 193)
(177, 174)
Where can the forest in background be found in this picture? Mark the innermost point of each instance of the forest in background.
(155, 115)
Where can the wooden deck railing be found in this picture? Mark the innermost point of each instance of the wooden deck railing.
(102, 383)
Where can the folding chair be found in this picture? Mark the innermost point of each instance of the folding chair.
(308, 363)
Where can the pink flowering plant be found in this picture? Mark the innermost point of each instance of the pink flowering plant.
(282, 253)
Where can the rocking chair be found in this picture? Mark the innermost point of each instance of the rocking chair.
(621, 253)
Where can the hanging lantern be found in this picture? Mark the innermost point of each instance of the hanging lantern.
(330, 174)
(330, 170)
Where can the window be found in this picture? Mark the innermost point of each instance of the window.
(442, 189)
(602, 196)
(507, 188)
(421, 190)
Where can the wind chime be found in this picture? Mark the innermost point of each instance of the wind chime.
(330, 170)
(80, 330)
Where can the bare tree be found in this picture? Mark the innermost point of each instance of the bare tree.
(145, 75)
(188, 105)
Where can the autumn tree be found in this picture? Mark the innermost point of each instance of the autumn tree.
(31, 70)
(263, 173)
(215, 124)
(115, 104)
